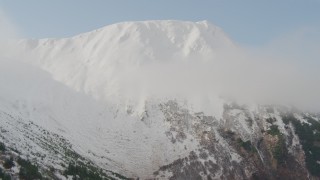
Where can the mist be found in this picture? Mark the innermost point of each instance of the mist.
(8, 34)
(284, 71)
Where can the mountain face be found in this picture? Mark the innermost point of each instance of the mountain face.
(105, 62)
(123, 101)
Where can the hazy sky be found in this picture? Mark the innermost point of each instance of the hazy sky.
(277, 54)
(250, 22)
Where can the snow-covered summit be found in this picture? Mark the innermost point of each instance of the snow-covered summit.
(102, 62)
(133, 43)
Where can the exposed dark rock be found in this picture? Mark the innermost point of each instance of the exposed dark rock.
(242, 145)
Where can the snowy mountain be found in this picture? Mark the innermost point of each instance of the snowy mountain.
(98, 63)
(143, 99)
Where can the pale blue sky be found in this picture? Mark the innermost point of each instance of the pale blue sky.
(251, 22)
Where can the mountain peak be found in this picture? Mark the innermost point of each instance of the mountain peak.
(164, 29)
(159, 24)
(88, 61)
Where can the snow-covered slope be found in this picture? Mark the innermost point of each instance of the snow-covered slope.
(134, 98)
(109, 61)
(99, 64)
(106, 133)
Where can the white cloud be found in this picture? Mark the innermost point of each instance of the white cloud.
(7, 34)
(286, 71)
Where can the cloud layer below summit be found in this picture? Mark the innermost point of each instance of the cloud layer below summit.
(285, 71)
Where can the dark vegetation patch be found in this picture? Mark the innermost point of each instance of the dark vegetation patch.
(309, 137)
(247, 145)
(274, 130)
(8, 163)
(4, 175)
(28, 171)
(271, 120)
(2, 147)
(81, 171)
(280, 151)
